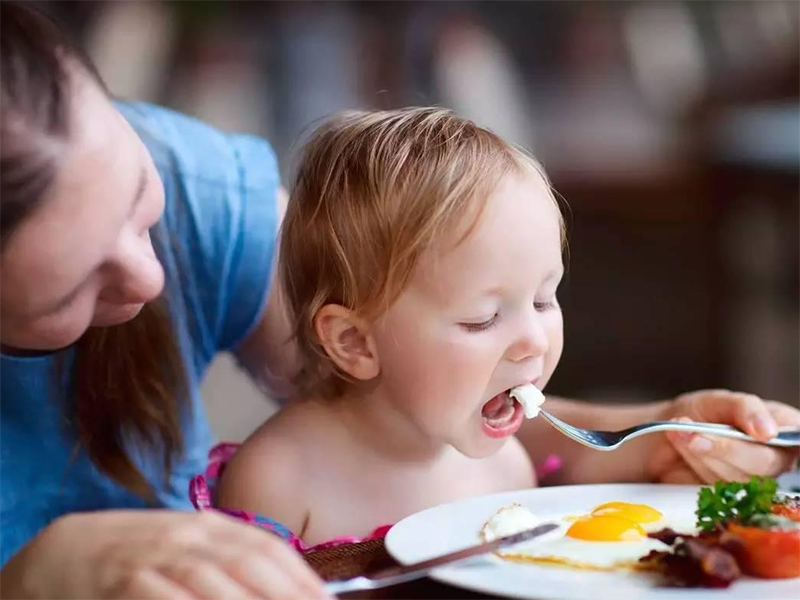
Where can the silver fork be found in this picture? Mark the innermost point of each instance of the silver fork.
(611, 440)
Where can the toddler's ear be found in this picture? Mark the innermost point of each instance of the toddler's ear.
(347, 341)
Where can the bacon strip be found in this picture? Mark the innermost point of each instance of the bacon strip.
(707, 560)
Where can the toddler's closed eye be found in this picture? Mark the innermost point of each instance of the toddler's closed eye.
(545, 305)
(482, 326)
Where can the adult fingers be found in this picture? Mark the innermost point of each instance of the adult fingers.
(682, 442)
(784, 414)
(728, 456)
(204, 579)
(745, 411)
(267, 553)
(149, 584)
(265, 578)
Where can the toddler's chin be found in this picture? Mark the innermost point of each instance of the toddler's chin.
(480, 448)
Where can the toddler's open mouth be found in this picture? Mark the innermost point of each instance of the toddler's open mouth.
(502, 416)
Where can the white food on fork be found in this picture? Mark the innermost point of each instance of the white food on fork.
(530, 397)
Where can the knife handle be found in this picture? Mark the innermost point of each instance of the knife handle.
(361, 583)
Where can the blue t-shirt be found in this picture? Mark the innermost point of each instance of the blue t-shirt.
(219, 229)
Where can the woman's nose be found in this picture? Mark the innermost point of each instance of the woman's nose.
(137, 274)
(531, 341)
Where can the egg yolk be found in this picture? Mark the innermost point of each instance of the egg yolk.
(606, 528)
(638, 513)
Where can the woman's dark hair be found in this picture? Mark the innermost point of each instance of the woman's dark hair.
(129, 381)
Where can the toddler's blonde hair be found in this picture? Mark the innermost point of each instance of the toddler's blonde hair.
(373, 192)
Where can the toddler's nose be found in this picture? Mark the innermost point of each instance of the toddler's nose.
(531, 342)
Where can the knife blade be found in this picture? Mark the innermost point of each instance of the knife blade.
(404, 573)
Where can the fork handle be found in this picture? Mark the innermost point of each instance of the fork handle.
(787, 437)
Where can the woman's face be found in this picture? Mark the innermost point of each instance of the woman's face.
(84, 257)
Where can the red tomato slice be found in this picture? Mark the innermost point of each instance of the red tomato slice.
(769, 553)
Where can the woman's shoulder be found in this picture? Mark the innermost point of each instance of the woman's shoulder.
(188, 148)
(217, 236)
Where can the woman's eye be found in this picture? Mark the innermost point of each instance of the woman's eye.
(482, 326)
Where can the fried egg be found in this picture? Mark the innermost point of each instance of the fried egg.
(612, 536)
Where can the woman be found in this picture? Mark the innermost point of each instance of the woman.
(102, 204)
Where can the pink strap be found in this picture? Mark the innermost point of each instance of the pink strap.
(550, 465)
(201, 493)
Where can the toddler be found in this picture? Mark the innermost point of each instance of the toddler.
(420, 255)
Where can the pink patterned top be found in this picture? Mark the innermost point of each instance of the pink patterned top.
(201, 493)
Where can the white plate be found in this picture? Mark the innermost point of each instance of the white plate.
(454, 526)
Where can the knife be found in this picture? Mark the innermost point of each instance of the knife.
(403, 573)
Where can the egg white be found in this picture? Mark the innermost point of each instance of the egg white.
(558, 549)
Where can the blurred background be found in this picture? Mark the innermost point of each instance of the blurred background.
(671, 129)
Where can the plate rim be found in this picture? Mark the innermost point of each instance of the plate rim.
(447, 574)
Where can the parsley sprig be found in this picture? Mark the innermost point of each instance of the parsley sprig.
(734, 501)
